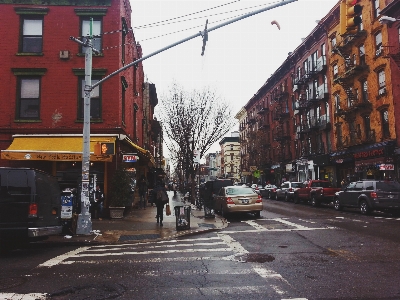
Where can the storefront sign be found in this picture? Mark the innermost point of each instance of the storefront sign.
(386, 167)
(130, 158)
(369, 153)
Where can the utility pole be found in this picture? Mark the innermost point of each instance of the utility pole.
(84, 223)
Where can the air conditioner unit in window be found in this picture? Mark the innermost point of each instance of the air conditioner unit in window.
(64, 54)
(382, 91)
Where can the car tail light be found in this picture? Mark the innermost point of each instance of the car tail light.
(374, 195)
(273, 190)
(229, 201)
(33, 210)
(290, 190)
(259, 199)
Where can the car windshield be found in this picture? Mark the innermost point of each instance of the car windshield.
(240, 191)
(297, 184)
(390, 186)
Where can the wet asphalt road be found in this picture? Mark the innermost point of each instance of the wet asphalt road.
(294, 251)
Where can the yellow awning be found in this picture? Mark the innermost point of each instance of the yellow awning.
(142, 152)
(65, 148)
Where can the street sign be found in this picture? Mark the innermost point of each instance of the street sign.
(130, 158)
(196, 156)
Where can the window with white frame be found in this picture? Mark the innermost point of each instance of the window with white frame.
(95, 99)
(381, 82)
(96, 32)
(337, 101)
(377, 9)
(335, 71)
(32, 34)
(385, 123)
(333, 42)
(28, 102)
(378, 44)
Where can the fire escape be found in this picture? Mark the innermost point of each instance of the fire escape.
(281, 115)
(302, 107)
(356, 102)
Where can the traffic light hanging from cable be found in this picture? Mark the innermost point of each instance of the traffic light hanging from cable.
(350, 17)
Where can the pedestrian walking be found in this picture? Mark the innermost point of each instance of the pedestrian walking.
(143, 189)
(98, 202)
(160, 198)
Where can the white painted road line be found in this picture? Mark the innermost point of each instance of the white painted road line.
(234, 245)
(13, 296)
(57, 260)
(255, 225)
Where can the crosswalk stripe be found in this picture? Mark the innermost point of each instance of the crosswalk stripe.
(134, 246)
(14, 296)
(151, 252)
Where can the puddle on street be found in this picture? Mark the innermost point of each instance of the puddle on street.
(254, 257)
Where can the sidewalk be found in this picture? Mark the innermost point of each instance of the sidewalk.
(140, 225)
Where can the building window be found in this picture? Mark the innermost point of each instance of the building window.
(337, 102)
(361, 51)
(381, 83)
(95, 99)
(335, 71)
(364, 85)
(124, 86)
(367, 127)
(377, 10)
(96, 32)
(385, 123)
(28, 103)
(32, 34)
(378, 44)
(125, 31)
(333, 42)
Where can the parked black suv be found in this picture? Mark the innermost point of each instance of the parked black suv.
(30, 206)
(370, 195)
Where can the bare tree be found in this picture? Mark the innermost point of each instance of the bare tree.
(192, 121)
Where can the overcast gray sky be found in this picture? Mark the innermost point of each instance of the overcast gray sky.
(238, 58)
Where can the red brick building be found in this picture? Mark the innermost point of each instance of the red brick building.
(42, 81)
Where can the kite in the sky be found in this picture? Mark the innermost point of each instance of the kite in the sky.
(276, 23)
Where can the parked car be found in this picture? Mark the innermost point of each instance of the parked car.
(211, 189)
(234, 199)
(269, 191)
(316, 192)
(30, 206)
(256, 187)
(368, 195)
(287, 190)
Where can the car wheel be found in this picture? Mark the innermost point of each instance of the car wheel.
(224, 214)
(296, 199)
(257, 214)
(314, 201)
(268, 195)
(286, 197)
(336, 204)
(364, 207)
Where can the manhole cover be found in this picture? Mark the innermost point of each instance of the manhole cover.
(206, 225)
(254, 257)
(123, 238)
